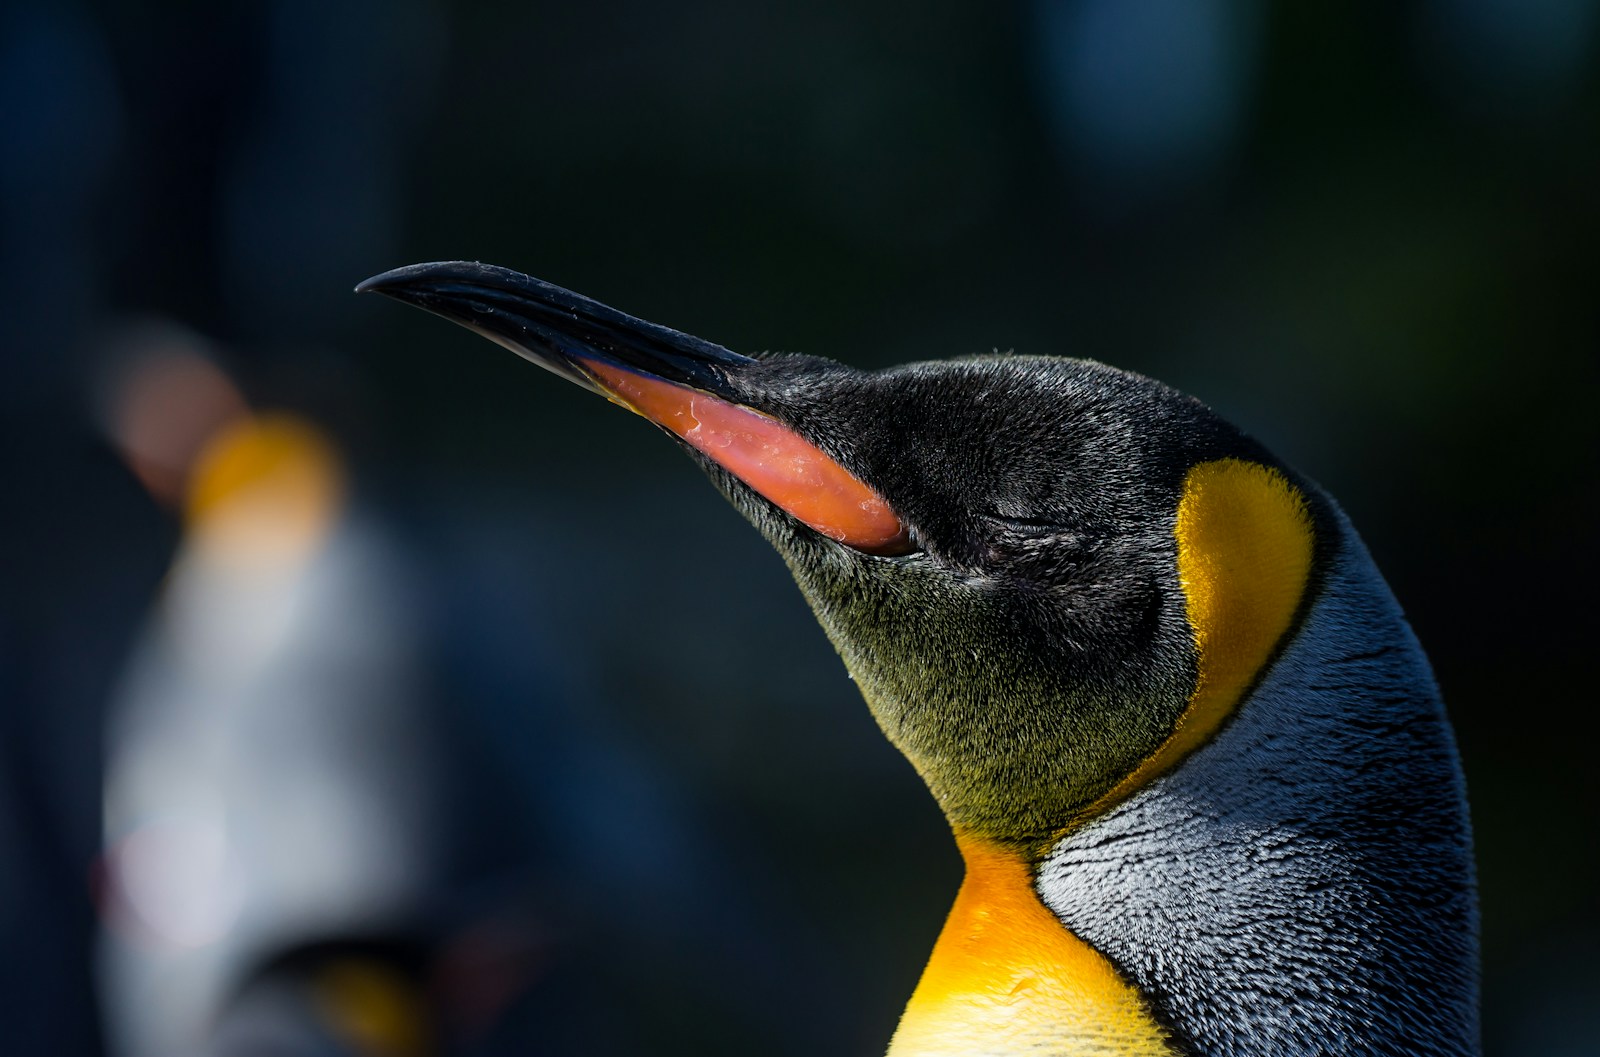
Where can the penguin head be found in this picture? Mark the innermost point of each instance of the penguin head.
(1018, 558)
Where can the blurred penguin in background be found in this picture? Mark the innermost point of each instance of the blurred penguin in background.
(310, 850)
(269, 783)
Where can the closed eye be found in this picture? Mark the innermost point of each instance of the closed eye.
(1033, 540)
(1029, 526)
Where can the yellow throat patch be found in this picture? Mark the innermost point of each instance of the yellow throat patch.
(1007, 978)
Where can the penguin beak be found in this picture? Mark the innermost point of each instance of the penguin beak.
(681, 383)
(557, 329)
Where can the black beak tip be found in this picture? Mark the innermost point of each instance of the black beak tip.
(553, 326)
(396, 280)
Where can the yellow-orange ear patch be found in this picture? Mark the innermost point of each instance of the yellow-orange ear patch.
(1244, 557)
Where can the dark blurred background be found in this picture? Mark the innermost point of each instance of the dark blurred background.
(363, 689)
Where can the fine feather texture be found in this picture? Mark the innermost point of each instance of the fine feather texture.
(1035, 650)
(1299, 884)
(1302, 884)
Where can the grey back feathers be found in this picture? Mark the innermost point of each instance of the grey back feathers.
(1303, 884)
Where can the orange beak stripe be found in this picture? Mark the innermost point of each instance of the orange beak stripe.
(765, 454)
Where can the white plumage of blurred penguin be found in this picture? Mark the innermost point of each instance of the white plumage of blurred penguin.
(268, 784)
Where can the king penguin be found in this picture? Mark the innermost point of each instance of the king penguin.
(1191, 752)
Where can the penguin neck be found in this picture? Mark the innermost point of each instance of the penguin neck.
(1006, 978)
(1302, 883)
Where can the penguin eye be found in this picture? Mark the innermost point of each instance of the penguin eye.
(1027, 526)
(1041, 531)
(1038, 548)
